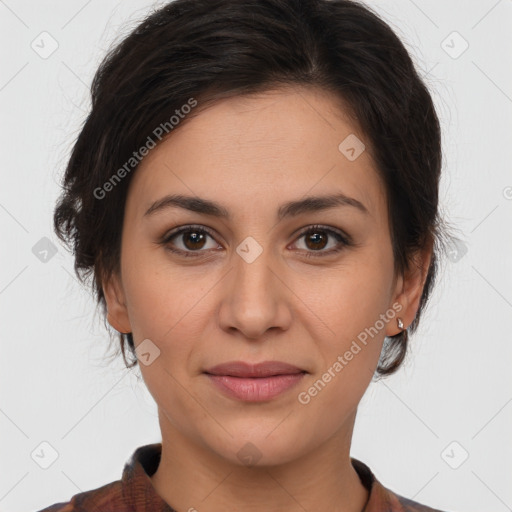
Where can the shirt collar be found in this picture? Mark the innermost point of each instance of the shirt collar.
(140, 495)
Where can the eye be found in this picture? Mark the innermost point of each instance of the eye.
(316, 238)
(193, 239)
(190, 239)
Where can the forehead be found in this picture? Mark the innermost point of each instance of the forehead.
(261, 149)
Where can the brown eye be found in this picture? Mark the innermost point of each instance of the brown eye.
(317, 238)
(193, 239)
(189, 240)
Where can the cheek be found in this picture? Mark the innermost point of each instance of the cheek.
(351, 298)
(350, 348)
(165, 311)
(157, 295)
(150, 307)
(350, 305)
(168, 306)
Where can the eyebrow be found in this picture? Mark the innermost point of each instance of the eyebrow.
(290, 209)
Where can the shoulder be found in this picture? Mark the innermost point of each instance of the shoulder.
(400, 503)
(107, 498)
(134, 491)
(383, 499)
(408, 505)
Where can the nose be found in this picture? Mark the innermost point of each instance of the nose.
(255, 296)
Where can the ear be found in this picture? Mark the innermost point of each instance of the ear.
(117, 313)
(408, 290)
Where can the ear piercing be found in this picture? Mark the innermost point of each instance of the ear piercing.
(400, 323)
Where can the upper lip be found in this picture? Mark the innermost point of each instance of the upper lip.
(264, 369)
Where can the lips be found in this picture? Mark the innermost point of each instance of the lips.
(247, 370)
(254, 382)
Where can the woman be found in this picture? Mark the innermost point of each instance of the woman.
(255, 193)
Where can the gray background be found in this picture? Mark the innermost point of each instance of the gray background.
(452, 398)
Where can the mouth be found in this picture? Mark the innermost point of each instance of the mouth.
(254, 382)
(247, 370)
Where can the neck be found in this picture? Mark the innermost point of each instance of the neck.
(192, 477)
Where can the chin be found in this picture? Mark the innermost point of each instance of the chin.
(254, 447)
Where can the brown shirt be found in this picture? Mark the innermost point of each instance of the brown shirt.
(135, 491)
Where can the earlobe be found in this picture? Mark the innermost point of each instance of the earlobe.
(408, 291)
(117, 313)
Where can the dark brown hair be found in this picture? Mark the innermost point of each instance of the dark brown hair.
(212, 49)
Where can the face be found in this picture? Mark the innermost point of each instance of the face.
(264, 276)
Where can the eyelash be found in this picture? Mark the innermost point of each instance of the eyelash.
(343, 240)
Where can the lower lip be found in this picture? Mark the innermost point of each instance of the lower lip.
(255, 389)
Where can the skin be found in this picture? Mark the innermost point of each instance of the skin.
(251, 154)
